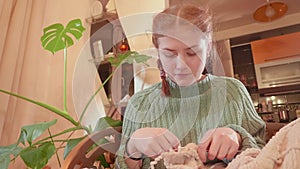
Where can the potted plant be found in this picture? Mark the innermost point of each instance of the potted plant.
(30, 147)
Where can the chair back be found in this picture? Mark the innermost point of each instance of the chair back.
(85, 154)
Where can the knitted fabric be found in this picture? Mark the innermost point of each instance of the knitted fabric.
(281, 152)
(184, 158)
(191, 111)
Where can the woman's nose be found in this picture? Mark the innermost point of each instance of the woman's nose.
(181, 61)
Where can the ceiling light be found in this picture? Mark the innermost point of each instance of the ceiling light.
(270, 11)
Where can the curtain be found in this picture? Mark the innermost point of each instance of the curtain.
(29, 70)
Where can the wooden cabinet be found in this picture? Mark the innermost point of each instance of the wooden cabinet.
(279, 47)
(243, 66)
(110, 33)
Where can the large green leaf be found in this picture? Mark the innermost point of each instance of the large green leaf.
(37, 157)
(106, 122)
(31, 132)
(5, 153)
(56, 37)
(70, 145)
(128, 57)
(103, 161)
(4, 161)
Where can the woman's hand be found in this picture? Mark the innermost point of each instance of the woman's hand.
(152, 141)
(219, 143)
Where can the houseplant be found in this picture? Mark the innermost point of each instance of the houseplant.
(30, 147)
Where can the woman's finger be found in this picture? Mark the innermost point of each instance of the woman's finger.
(204, 145)
(172, 139)
(223, 151)
(165, 144)
(232, 151)
(153, 149)
(214, 148)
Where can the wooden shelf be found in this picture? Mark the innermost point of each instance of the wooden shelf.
(265, 112)
(275, 48)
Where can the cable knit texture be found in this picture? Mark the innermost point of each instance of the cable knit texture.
(281, 152)
(191, 111)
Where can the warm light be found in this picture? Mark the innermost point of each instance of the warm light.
(270, 11)
(273, 98)
(123, 47)
(255, 102)
(279, 101)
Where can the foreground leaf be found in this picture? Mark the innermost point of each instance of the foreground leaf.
(4, 161)
(5, 153)
(70, 145)
(103, 161)
(106, 122)
(37, 157)
(56, 38)
(31, 132)
(128, 57)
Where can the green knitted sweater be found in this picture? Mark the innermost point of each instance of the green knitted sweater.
(191, 111)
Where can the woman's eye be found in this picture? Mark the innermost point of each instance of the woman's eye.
(169, 54)
(191, 53)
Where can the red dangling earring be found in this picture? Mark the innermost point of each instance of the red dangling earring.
(165, 91)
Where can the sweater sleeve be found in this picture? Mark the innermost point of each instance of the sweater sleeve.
(131, 122)
(250, 126)
(127, 130)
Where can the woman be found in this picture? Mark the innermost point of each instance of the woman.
(188, 106)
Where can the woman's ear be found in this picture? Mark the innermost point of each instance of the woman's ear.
(209, 57)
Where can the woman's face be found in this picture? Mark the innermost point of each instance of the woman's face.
(182, 62)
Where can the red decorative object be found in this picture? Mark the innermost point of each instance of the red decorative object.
(270, 11)
(123, 47)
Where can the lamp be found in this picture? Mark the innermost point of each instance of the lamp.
(270, 11)
(124, 46)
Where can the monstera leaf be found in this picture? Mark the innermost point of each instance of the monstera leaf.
(128, 57)
(56, 37)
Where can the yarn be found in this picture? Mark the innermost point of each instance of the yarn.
(281, 152)
(185, 158)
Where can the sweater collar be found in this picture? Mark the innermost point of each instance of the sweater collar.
(192, 90)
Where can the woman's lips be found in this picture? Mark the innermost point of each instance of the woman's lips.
(182, 75)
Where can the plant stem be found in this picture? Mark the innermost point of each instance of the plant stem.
(83, 127)
(46, 106)
(65, 79)
(58, 134)
(58, 160)
(50, 141)
(93, 96)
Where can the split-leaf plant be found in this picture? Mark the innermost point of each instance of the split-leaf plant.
(34, 149)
